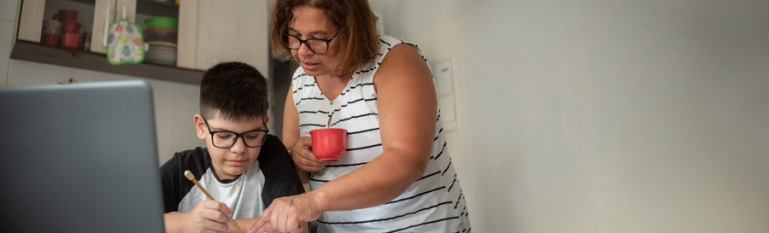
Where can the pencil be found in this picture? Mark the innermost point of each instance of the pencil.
(191, 177)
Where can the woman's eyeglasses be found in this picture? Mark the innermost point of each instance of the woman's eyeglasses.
(317, 46)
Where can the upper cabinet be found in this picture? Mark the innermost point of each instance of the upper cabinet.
(208, 32)
(233, 30)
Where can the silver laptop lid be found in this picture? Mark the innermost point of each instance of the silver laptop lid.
(79, 158)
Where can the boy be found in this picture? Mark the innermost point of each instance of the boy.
(242, 166)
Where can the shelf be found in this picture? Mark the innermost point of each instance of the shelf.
(35, 52)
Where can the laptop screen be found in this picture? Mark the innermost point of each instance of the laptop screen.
(79, 158)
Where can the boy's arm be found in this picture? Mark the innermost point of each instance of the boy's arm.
(207, 216)
(172, 222)
(246, 224)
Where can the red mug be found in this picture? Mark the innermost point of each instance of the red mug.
(66, 15)
(50, 39)
(70, 40)
(328, 144)
(70, 26)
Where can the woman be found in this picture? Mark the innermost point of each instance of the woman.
(396, 174)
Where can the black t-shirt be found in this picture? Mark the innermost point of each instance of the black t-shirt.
(275, 164)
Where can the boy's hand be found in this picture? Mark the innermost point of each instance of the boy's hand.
(303, 156)
(208, 216)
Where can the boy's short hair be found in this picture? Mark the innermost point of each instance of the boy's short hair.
(235, 90)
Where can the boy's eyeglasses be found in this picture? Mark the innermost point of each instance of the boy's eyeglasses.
(226, 139)
(317, 46)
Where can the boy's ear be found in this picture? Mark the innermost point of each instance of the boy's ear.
(266, 120)
(200, 126)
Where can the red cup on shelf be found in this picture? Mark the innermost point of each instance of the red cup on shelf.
(70, 40)
(328, 144)
(70, 26)
(50, 39)
(66, 15)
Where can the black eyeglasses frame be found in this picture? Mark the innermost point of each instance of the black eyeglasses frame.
(328, 42)
(238, 135)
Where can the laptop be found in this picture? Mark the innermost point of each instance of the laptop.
(79, 158)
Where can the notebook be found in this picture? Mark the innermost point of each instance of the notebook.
(79, 158)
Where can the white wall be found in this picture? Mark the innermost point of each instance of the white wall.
(175, 103)
(604, 116)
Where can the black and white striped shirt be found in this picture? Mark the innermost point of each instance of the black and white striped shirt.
(434, 203)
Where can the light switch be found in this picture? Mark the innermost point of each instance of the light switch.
(444, 87)
(443, 80)
(448, 113)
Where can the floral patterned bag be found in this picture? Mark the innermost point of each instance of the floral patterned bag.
(125, 43)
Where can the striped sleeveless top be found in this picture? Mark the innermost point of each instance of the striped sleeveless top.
(433, 203)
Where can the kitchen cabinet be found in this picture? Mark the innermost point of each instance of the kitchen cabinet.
(209, 32)
(91, 14)
(115, 13)
(233, 30)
